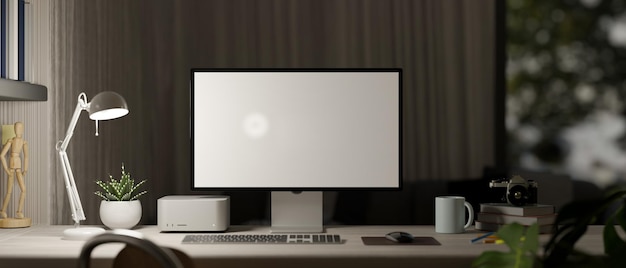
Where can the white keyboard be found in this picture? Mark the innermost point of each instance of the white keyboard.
(262, 239)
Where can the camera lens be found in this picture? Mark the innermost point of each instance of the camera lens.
(517, 195)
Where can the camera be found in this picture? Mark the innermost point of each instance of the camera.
(519, 192)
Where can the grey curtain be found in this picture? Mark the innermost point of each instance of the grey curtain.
(145, 49)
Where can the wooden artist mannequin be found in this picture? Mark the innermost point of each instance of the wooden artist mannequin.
(15, 168)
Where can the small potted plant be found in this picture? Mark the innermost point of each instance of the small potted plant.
(120, 207)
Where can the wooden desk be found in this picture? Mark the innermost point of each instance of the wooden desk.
(42, 246)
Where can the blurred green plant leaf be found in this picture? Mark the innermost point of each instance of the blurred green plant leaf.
(614, 245)
(523, 243)
(495, 259)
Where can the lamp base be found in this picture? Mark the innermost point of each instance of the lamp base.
(82, 233)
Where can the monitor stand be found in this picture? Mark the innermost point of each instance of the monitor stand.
(297, 212)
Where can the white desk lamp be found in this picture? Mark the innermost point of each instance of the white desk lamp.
(104, 106)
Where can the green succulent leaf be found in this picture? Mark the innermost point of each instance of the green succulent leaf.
(98, 193)
(138, 195)
(120, 190)
(111, 197)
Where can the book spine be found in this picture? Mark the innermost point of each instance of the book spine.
(3, 38)
(505, 219)
(12, 40)
(517, 211)
(20, 40)
(493, 227)
(501, 210)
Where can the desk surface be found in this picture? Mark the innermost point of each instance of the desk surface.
(30, 247)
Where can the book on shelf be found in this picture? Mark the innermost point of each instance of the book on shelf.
(499, 218)
(527, 210)
(494, 227)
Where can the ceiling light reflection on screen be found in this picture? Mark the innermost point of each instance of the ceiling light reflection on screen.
(256, 125)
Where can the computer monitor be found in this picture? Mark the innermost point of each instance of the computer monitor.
(297, 133)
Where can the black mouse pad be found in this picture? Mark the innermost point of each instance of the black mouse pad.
(382, 241)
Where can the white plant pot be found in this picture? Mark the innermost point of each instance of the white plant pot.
(120, 214)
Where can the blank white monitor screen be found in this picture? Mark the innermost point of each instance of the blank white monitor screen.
(296, 129)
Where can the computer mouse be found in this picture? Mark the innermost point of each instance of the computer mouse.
(400, 237)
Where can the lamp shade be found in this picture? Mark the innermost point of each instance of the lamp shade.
(107, 105)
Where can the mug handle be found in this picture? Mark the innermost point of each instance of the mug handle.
(470, 218)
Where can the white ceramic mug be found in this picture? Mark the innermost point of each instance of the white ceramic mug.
(450, 214)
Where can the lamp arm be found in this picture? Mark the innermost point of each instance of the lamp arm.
(80, 106)
(70, 184)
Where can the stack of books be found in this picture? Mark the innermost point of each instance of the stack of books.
(492, 216)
